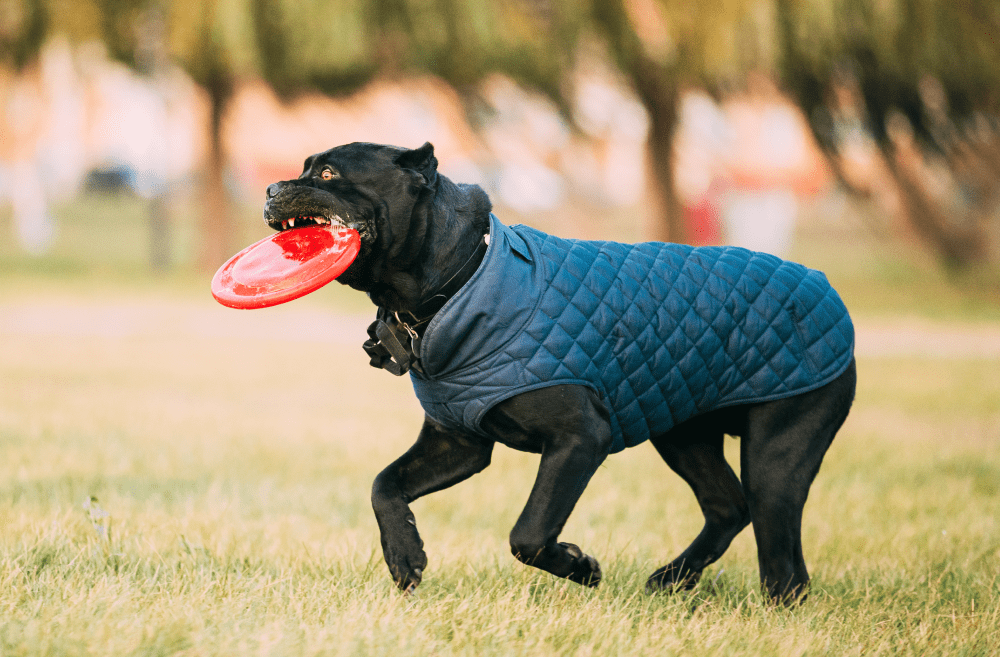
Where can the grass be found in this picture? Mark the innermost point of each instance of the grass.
(179, 478)
(235, 472)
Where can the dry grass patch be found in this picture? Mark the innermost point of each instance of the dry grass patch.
(231, 470)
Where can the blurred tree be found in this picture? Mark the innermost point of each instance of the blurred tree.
(210, 40)
(334, 47)
(659, 46)
(199, 40)
(204, 37)
(23, 26)
(663, 46)
(907, 92)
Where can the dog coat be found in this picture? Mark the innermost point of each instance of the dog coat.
(662, 332)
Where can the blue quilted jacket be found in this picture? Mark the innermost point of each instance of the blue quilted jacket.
(662, 332)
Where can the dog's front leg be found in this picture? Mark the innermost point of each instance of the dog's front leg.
(440, 458)
(569, 425)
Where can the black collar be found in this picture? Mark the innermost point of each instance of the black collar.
(394, 345)
(427, 308)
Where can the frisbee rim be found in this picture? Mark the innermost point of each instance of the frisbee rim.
(223, 282)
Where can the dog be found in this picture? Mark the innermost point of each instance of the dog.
(574, 350)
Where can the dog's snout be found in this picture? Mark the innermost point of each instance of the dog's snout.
(273, 189)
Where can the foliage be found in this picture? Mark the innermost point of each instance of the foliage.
(23, 28)
(658, 47)
(333, 55)
(334, 47)
(922, 79)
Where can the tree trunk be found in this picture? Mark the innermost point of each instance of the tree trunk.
(958, 244)
(658, 90)
(218, 224)
(159, 232)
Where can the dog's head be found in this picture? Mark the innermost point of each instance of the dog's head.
(380, 191)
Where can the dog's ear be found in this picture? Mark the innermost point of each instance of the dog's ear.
(421, 160)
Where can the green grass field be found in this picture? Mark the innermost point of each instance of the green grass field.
(179, 478)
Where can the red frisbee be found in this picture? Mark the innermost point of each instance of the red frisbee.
(285, 266)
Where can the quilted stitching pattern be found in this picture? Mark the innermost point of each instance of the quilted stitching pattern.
(662, 331)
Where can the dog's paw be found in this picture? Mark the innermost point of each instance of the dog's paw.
(586, 570)
(672, 578)
(405, 556)
(408, 584)
(406, 576)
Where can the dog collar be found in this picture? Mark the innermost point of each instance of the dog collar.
(393, 344)
(429, 307)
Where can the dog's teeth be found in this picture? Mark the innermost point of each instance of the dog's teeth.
(284, 224)
(291, 223)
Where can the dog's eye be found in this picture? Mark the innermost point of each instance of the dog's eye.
(328, 174)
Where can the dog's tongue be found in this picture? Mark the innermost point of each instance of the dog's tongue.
(285, 266)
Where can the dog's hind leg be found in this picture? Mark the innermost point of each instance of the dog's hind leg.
(568, 425)
(780, 454)
(694, 451)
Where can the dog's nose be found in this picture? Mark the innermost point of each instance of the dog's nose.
(273, 189)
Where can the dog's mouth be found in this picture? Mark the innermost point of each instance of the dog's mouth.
(308, 220)
(286, 214)
(295, 206)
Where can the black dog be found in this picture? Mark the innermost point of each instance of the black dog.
(431, 252)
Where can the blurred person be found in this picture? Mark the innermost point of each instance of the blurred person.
(770, 163)
(607, 163)
(525, 134)
(22, 121)
(699, 151)
(60, 151)
(127, 122)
